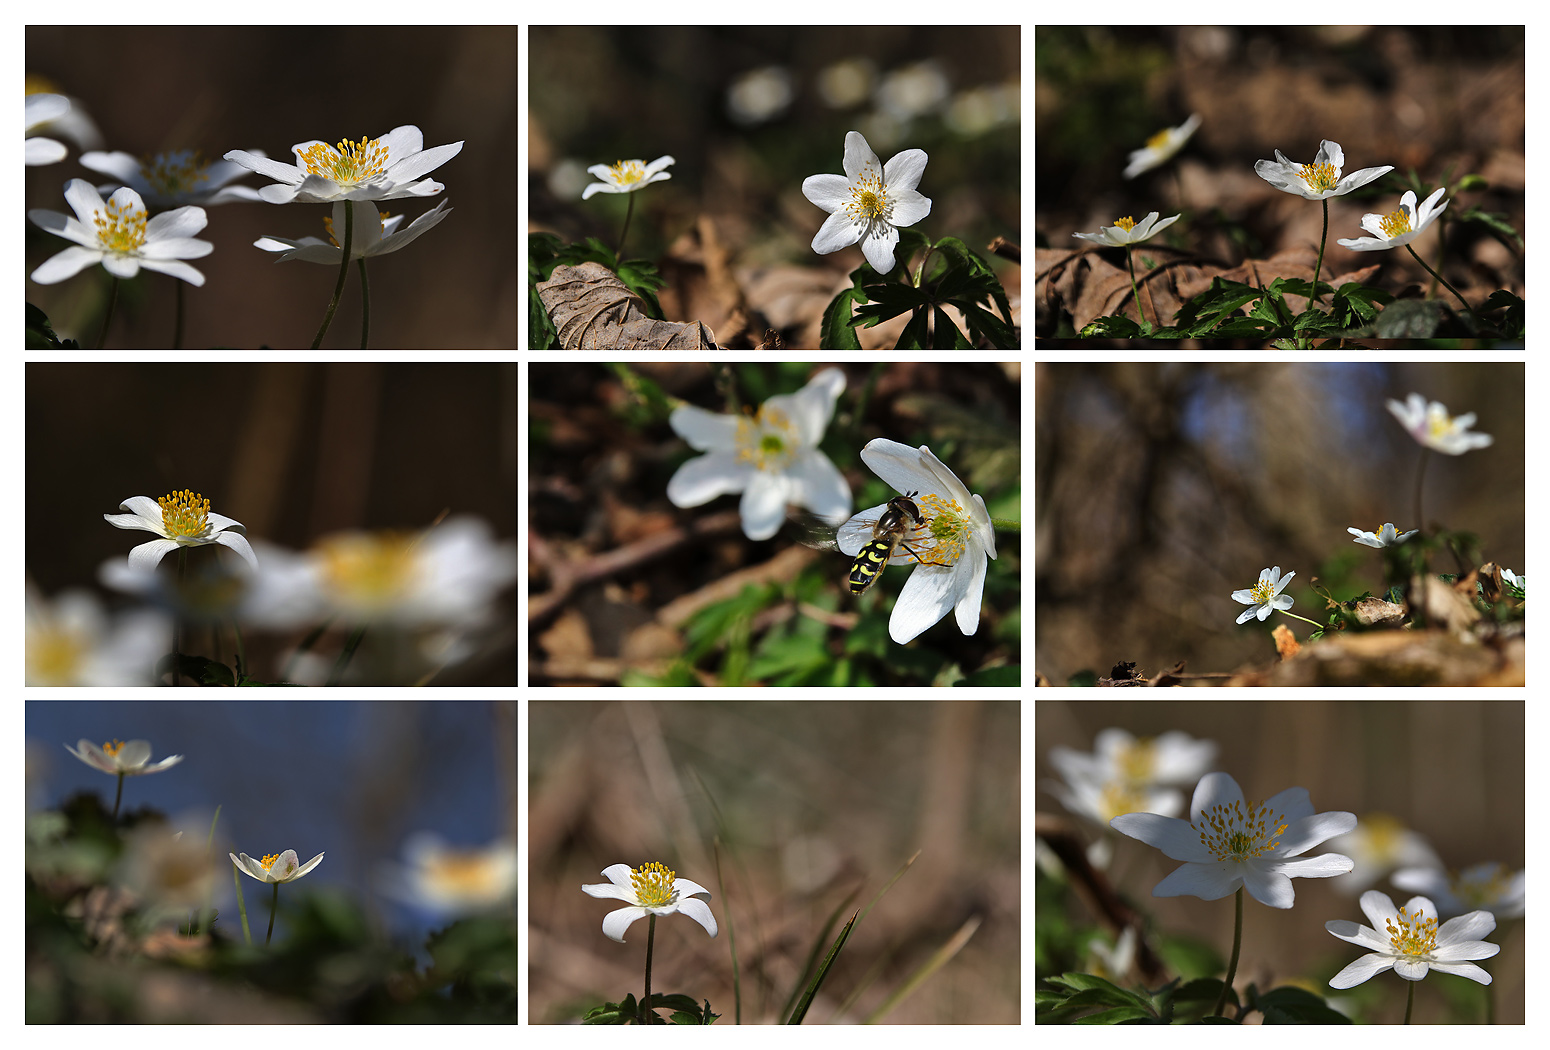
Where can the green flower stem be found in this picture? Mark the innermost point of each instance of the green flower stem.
(351, 644)
(112, 301)
(242, 655)
(242, 907)
(365, 302)
(628, 212)
(1446, 285)
(1232, 965)
(1134, 290)
(1304, 619)
(1006, 525)
(177, 331)
(209, 841)
(1319, 266)
(344, 271)
(177, 621)
(1410, 1000)
(119, 796)
(273, 904)
(651, 936)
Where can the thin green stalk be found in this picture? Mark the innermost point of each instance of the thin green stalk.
(119, 796)
(242, 907)
(1232, 965)
(177, 620)
(1410, 1000)
(1478, 323)
(645, 1000)
(1134, 290)
(210, 892)
(242, 652)
(365, 302)
(1006, 525)
(628, 213)
(351, 644)
(273, 905)
(1304, 619)
(344, 271)
(1318, 267)
(112, 301)
(177, 331)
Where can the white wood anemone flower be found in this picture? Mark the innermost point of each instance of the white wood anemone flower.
(1399, 227)
(72, 640)
(369, 170)
(869, 202)
(1228, 843)
(1490, 886)
(1387, 536)
(949, 550)
(1161, 147)
(375, 233)
(650, 889)
(450, 881)
(42, 108)
(1432, 427)
(275, 867)
(173, 179)
(1122, 768)
(772, 457)
(627, 176)
(1265, 596)
(1411, 943)
(1128, 231)
(130, 759)
(1380, 844)
(1319, 180)
(121, 235)
(182, 519)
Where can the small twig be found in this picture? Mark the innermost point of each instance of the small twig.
(1006, 249)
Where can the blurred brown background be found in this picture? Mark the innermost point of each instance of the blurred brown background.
(1452, 770)
(1162, 488)
(219, 88)
(812, 800)
(293, 451)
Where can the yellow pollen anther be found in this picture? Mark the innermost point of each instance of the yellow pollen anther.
(653, 885)
(113, 748)
(269, 859)
(1239, 832)
(1396, 224)
(1414, 935)
(627, 172)
(124, 228)
(347, 164)
(947, 526)
(1320, 177)
(371, 569)
(1159, 140)
(1138, 761)
(184, 513)
(1263, 592)
(174, 174)
(768, 440)
(1127, 223)
(868, 197)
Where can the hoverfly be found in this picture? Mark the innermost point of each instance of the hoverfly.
(879, 539)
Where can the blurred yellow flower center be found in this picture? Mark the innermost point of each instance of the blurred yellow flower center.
(868, 197)
(1384, 833)
(1482, 886)
(627, 172)
(1127, 223)
(463, 872)
(173, 174)
(328, 225)
(1320, 177)
(1263, 592)
(1414, 935)
(653, 885)
(1137, 761)
(768, 440)
(112, 749)
(948, 525)
(268, 861)
(1119, 798)
(1241, 831)
(184, 513)
(54, 655)
(370, 569)
(124, 228)
(348, 163)
(1396, 224)
(1159, 140)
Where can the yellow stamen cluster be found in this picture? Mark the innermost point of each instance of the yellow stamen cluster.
(1396, 224)
(112, 749)
(1320, 177)
(370, 569)
(467, 872)
(1137, 761)
(627, 172)
(1239, 832)
(328, 225)
(1159, 140)
(768, 440)
(174, 174)
(348, 163)
(1127, 223)
(184, 513)
(1384, 834)
(654, 885)
(269, 859)
(868, 197)
(1263, 592)
(1121, 797)
(1414, 935)
(123, 230)
(948, 525)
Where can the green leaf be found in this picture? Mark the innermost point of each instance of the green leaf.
(1115, 327)
(1118, 1015)
(1512, 321)
(1356, 304)
(612, 1013)
(1409, 319)
(806, 1001)
(946, 335)
(914, 335)
(1297, 1006)
(40, 333)
(837, 332)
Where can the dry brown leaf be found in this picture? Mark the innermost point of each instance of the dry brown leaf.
(1286, 642)
(593, 310)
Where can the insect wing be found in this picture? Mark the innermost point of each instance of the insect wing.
(858, 531)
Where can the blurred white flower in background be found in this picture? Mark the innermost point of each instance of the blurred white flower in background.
(73, 641)
(451, 881)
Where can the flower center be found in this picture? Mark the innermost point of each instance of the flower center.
(627, 172)
(1397, 223)
(1320, 177)
(464, 873)
(371, 570)
(175, 174)
(54, 655)
(1138, 761)
(1263, 592)
(328, 225)
(948, 525)
(868, 197)
(1119, 798)
(1482, 886)
(1159, 140)
(184, 514)
(1127, 223)
(653, 885)
(1239, 832)
(124, 228)
(112, 749)
(347, 164)
(1384, 835)
(268, 861)
(1414, 935)
(769, 440)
